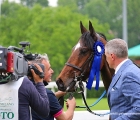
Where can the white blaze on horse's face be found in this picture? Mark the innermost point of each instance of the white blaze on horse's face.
(77, 46)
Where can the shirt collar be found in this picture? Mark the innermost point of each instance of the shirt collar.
(118, 67)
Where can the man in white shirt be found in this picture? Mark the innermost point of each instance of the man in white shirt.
(124, 90)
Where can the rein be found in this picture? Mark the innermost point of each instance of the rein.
(84, 99)
(86, 105)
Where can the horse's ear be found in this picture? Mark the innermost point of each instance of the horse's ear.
(92, 31)
(83, 29)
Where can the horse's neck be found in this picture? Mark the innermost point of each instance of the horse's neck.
(106, 74)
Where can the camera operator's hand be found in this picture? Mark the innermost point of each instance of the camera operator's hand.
(35, 76)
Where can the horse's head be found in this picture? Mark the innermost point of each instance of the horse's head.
(79, 63)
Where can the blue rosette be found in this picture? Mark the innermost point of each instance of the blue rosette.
(98, 49)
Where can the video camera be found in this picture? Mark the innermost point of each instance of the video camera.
(14, 63)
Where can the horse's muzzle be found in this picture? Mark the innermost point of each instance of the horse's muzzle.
(60, 85)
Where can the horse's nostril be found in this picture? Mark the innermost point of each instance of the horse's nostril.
(60, 84)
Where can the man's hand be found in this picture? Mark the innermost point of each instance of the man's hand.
(71, 103)
(35, 76)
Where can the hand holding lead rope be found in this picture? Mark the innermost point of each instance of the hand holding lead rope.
(70, 95)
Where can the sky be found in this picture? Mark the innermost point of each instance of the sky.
(52, 3)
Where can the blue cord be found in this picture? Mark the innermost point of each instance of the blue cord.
(95, 101)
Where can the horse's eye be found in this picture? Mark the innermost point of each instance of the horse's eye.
(84, 50)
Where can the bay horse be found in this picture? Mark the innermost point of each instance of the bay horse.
(77, 67)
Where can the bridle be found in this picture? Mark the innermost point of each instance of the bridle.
(78, 79)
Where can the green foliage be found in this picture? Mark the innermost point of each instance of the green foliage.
(110, 11)
(13, 23)
(49, 30)
(135, 57)
(133, 22)
(31, 3)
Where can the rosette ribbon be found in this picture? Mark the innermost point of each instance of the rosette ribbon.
(98, 49)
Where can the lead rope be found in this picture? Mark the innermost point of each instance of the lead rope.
(103, 94)
(88, 107)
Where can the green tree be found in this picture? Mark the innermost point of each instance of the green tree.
(13, 23)
(31, 3)
(110, 11)
(80, 4)
(133, 22)
(49, 30)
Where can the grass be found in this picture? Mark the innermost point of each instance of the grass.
(101, 105)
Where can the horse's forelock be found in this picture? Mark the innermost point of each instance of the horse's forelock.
(87, 40)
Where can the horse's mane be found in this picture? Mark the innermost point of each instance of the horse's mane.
(88, 41)
(102, 35)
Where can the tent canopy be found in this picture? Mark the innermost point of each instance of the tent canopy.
(134, 51)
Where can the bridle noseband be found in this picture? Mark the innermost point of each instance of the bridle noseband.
(74, 66)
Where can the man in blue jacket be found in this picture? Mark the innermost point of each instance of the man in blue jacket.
(124, 91)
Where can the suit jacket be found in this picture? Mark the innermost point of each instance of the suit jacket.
(124, 93)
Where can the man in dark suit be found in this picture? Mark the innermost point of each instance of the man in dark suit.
(124, 91)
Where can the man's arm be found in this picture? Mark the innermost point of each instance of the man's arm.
(58, 94)
(131, 91)
(35, 97)
(41, 100)
(68, 115)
